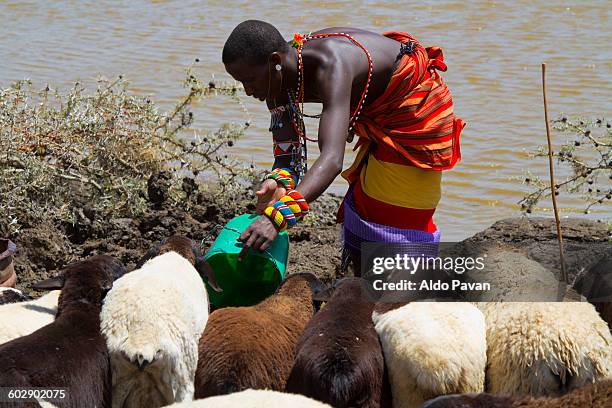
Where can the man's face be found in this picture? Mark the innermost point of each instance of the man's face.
(254, 77)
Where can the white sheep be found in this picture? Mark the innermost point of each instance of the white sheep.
(255, 399)
(432, 348)
(152, 320)
(545, 348)
(23, 318)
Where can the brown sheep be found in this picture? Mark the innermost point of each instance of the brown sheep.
(254, 347)
(339, 358)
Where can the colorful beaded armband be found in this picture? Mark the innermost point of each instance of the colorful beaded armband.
(286, 212)
(282, 177)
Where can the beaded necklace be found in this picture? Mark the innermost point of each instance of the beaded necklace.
(297, 100)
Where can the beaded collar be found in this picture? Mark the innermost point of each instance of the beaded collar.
(297, 99)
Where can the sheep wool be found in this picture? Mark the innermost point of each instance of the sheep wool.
(254, 347)
(339, 359)
(432, 349)
(23, 318)
(545, 348)
(598, 395)
(152, 320)
(255, 399)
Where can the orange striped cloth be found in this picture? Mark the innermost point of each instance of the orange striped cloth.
(414, 117)
(406, 136)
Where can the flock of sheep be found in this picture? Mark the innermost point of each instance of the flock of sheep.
(146, 339)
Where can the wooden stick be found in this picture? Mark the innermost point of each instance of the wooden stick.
(552, 178)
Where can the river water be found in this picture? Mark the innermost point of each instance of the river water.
(493, 51)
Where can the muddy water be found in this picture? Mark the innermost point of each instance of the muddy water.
(493, 50)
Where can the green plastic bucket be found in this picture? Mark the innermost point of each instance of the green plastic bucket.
(252, 279)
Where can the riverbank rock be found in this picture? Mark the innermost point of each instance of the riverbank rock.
(585, 243)
(514, 278)
(44, 249)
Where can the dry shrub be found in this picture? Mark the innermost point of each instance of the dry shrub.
(588, 157)
(61, 152)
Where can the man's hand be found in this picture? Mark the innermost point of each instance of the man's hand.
(268, 194)
(258, 236)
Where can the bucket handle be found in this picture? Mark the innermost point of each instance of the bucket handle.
(238, 232)
(218, 227)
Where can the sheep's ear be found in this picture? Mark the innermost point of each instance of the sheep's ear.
(337, 282)
(316, 285)
(54, 283)
(205, 270)
(323, 296)
(320, 297)
(195, 248)
(324, 293)
(151, 253)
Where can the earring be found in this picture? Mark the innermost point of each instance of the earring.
(278, 67)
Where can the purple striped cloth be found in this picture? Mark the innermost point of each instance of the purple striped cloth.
(357, 230)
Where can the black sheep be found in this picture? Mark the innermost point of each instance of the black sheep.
(69, 353)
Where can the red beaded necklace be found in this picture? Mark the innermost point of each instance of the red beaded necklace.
(298, 42)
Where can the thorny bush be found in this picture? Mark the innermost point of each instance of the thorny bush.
(588, 156)
(60, 151)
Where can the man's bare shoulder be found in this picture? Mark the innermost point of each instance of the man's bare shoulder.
(346, 30)
(381, 48)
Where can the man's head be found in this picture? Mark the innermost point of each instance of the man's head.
(251, 54)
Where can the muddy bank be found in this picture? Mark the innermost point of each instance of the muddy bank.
(43, 250)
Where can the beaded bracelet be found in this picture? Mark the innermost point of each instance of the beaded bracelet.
(286, 212)
(296, 203)
(282, 177)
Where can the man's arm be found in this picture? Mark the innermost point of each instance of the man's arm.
(335, 90)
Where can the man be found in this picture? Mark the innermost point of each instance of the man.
(383, 88)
